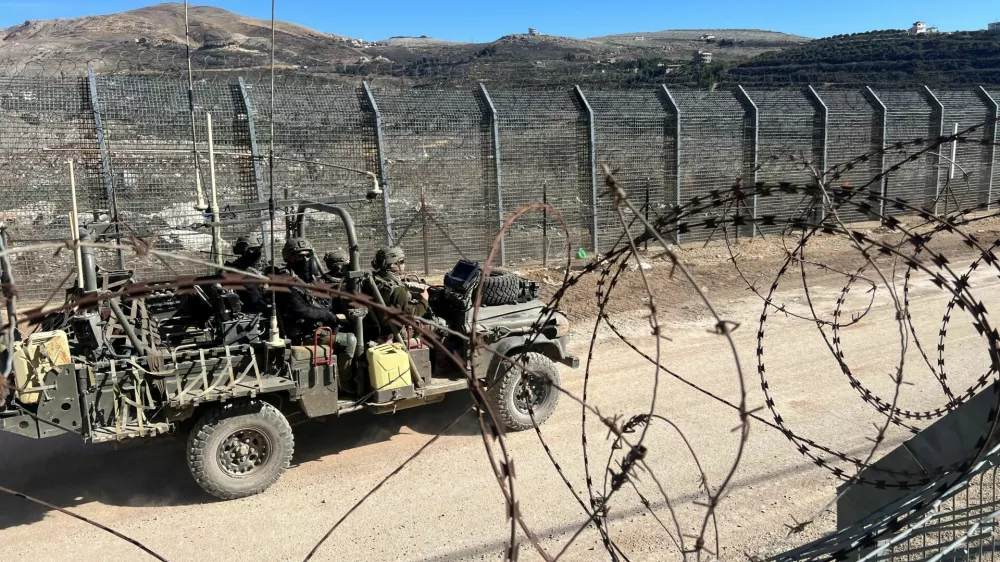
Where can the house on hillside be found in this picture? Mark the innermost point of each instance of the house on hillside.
(920, 27)
(702, 57)
(707, 37)
(993, 27)
(532, 31)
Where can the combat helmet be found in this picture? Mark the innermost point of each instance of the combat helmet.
(336, 261)
(388, 256)
(294, 246)
(247, 242)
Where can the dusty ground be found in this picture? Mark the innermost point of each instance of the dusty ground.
(446, 505)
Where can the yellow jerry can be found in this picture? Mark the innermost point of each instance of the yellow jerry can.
(389, 372)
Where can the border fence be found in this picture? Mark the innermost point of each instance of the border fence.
(453, 163)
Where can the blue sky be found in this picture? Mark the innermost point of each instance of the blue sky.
(482, 21)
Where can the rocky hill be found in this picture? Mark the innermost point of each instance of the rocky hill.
(152, 40)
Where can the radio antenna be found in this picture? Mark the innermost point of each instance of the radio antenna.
(276, 340)
(200, 204)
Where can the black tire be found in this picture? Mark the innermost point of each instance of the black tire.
(507, 393)
(256, 465)
(500, 288)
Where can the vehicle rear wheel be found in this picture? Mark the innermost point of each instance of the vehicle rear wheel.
(240, 449)
(520, 397)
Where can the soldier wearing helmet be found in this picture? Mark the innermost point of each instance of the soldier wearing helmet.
(248, 251)
(389, 267)
(337, 263)
(301, 312)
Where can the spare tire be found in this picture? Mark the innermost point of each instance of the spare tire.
(501, 287)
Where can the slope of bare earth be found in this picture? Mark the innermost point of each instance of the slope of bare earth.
(156, 33)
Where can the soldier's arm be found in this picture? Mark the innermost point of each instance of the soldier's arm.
(297, 306)
(401, 299)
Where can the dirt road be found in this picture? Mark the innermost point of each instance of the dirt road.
(446, 504)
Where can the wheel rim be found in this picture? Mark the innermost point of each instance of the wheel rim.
(244, 452)
(533, 390)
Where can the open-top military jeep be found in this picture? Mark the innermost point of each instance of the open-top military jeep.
(127, 364)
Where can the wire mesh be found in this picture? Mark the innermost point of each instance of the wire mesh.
(318, 127)
(714, 145)
(45, 123)
(148, 131)
(909, 116)
(543, 146)
(993, 130)
(636, 135)
(442, 189)
(790, 139)
(440, 142)
(853, 128)
(967, 184)
(952, 521)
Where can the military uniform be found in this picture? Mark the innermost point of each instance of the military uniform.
(248, 250)
(302, 312)
(388, 265)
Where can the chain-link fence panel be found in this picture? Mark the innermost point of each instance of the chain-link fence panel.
(545, 155)
(909, 116)
(44, 125)
(854, 128)
(965, 178)
(442, 189)
(993, 127)
(716, 140)
(320, 130)
(636, 135)
(790, 139)
(148, 130)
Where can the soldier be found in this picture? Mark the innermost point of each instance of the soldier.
(299, 309)
(248, 250)
(389, 266)
(337, 263)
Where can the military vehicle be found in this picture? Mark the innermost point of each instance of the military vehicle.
(140, 360)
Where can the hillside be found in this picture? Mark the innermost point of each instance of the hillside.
(880, 57)
(152, 40)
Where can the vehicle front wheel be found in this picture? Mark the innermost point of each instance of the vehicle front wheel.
(520, 397)
(240, 449)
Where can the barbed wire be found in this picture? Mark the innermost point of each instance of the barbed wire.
(820, 214)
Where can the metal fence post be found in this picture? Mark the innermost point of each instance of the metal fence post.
(991, 135)
(939, 111)
(106, 174)
(754, 114)
(676, 109)
(825, 120)
(382, 171)
(258, 174)
(883, 117)
(592, 157)
(495, 127)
